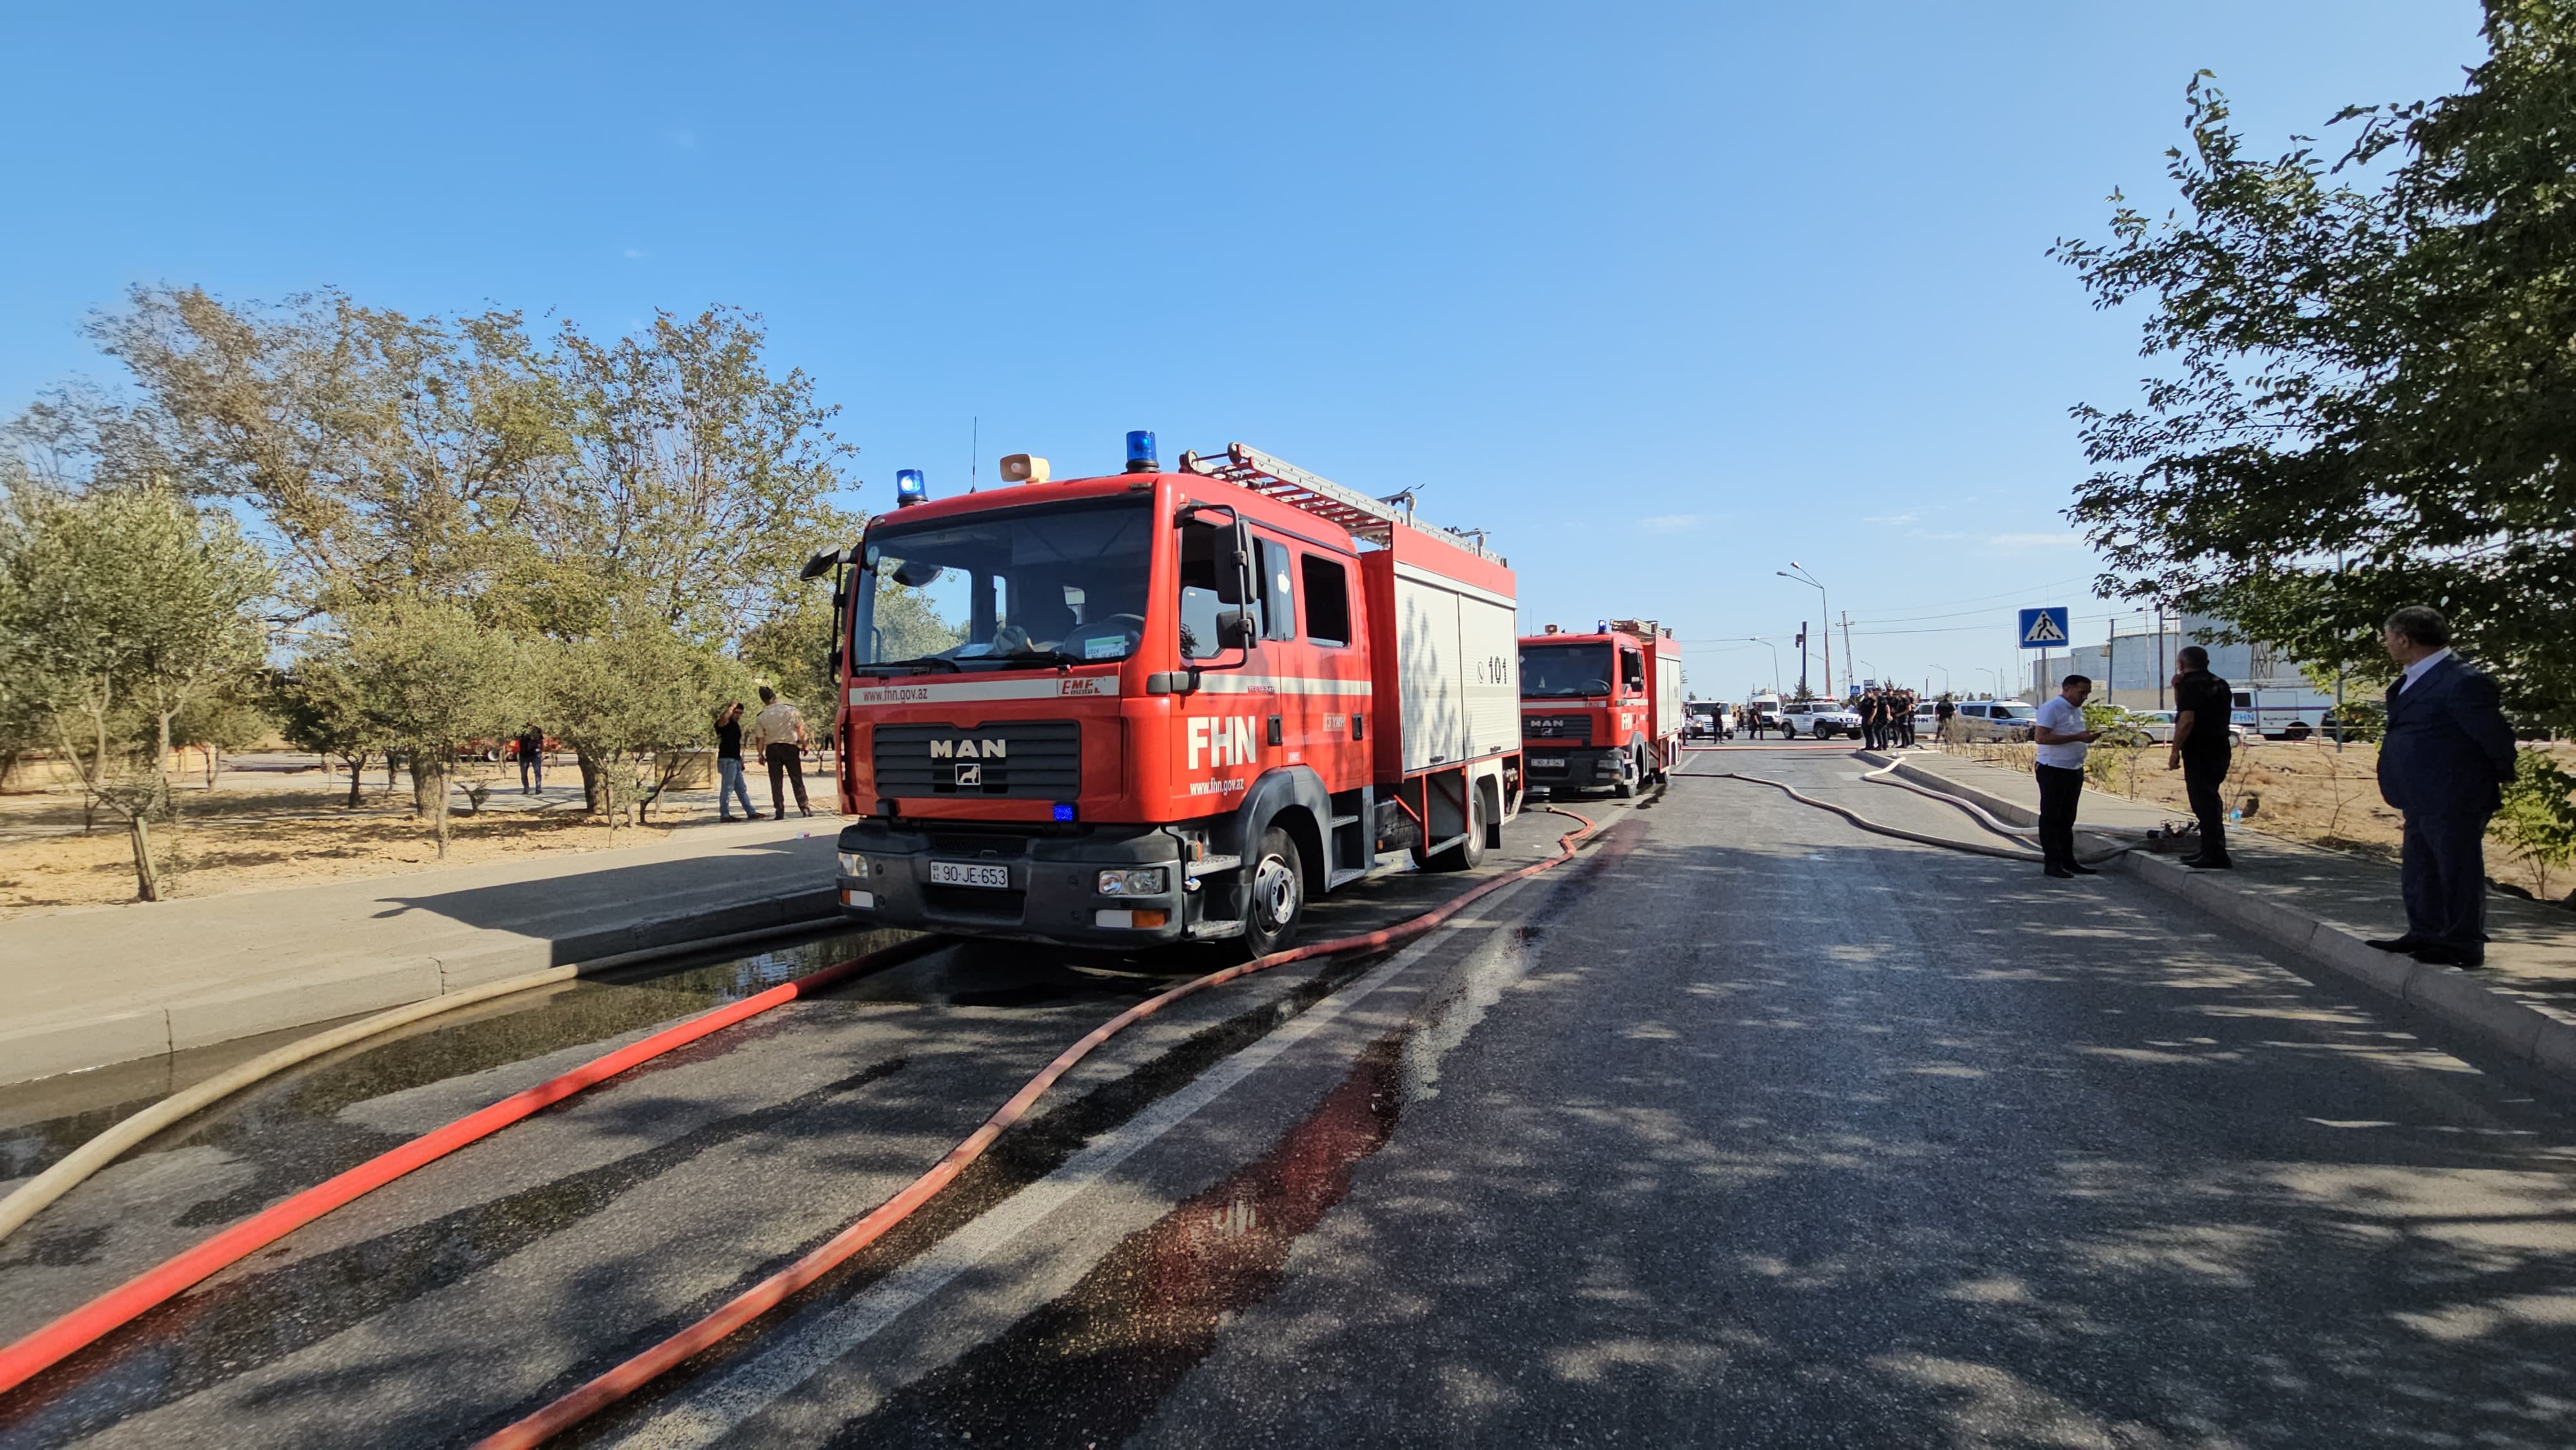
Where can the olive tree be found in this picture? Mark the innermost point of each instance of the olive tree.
(639, 700)
(118, 609)
(433, 678)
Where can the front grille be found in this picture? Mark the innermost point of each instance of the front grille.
(1008, 759)
(1556, 727)
(977, 844)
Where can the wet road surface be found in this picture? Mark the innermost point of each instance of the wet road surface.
(1750, 1128)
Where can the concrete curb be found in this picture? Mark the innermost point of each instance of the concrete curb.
(337, 990)
(2454, 997)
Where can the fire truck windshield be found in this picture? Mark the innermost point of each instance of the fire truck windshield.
(1017, 588)
(1563, 671)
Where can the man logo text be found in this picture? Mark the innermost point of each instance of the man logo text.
(969, 749)
(1224, 740)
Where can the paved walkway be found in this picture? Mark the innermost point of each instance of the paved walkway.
(2532, 954)
(87, 988)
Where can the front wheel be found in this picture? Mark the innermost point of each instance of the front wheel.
(1274, 894)
(1629, 773)
(1788, 731)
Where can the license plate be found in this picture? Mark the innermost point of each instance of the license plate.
(963, 873)
(1547, 762)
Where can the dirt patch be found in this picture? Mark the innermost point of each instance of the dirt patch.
(258, 830)
(2306, 791)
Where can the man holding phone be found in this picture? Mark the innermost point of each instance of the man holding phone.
(2062, 739)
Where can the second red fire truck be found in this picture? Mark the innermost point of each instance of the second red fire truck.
(1165, 705)
(1601, 710)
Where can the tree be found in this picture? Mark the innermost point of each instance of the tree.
(393, 457)
(639, 700)
(117, 610)
(321, 705)
(2369, 381)
(699, 482)
(433, 678)
(222, 722)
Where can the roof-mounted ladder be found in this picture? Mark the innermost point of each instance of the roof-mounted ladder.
(1368, 518)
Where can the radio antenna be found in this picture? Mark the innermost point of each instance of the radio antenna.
(974, 451)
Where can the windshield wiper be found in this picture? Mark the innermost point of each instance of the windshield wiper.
(1046, 656)
(922, 662)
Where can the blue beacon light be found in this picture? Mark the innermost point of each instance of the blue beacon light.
(909, 488)
(1063, 812)
(1140, 452)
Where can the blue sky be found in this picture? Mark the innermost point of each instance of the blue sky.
(1666, 296)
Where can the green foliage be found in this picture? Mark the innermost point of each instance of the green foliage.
(637, 702)
(2369, 375)
(2538, 819)
(698, 482)
(320, 705)
(117, 609)
(432, 678)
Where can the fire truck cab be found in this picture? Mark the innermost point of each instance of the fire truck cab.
(1164, 706)
(1601, 710)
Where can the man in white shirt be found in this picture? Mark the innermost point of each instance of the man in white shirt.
(2062, 739)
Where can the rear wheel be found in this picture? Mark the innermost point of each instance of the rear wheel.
(1466, 855)
(1274, 894)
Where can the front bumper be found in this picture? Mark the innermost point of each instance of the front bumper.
(1052, 895)
(1574, 767)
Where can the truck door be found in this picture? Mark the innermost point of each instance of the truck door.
(1632, 694)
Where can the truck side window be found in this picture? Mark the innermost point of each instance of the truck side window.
(1632, 671)
(1203, 595)
(1278, 592)
(1328, 599)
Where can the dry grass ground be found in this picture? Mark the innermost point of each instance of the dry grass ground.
(2307, 792)
(251, 833)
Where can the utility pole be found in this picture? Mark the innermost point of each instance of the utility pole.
(2160, 654)
(1848, 657)
(1802, 659)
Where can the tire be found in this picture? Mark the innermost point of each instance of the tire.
(1629, 774)
(1788, 731)
(1274, 895)
(1469, 853)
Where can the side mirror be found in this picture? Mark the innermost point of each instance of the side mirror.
(1234, 629)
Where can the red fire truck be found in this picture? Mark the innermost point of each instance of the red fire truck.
(1602, 709)
(1164, 706)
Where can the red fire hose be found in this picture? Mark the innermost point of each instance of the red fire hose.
(641, 1370)
(90, 1322)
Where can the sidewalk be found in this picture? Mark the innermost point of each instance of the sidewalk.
(2322, 905)
(87, 988)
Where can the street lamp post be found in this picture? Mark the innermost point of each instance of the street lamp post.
(1997, 691)
(1945, 678)
(1775, 660)
(1824, 610)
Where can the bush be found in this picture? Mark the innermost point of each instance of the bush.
(2537, 821)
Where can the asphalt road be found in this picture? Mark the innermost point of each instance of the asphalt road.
(1749, 1128)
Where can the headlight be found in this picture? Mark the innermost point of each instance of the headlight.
(1139, 881)
(853, 864)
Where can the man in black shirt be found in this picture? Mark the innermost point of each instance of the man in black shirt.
(2201, 750)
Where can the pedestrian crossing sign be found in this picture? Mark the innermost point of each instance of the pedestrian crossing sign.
(2044, 628)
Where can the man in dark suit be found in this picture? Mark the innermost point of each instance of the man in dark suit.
(2443, 763)
(2202, 745)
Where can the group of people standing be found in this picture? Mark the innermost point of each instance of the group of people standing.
(2443, 763)
(778, 738)
(1886, 718)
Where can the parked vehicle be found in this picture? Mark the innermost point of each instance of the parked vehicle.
(2356, 720)
(2280, 712)
(1186, 701)
(2159, 727)
(1765, 707)
(1708, 719)
(1927, 721)
(1993, 720)
(1602, 709)
(1819, 719)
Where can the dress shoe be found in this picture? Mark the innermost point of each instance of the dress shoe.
(2406, 943)
(802, 811)
(2059, 873)
(2203, 863)
(2436, 955)
(2083, 870)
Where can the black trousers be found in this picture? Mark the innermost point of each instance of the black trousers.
(2059, 790)
(785, 760)
(2442, 870)
(2202, 775)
